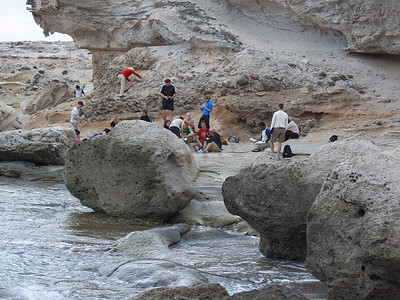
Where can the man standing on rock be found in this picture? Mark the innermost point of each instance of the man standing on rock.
(278, 127)
(75, 119)
(168, 94)
(124, 78)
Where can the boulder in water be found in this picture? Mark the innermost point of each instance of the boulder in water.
(353, 230)
(139, 170)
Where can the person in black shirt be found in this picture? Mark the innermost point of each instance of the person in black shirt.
(145, 116)
(213, 142)
(168, 94)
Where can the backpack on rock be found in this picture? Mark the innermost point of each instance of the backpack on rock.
(287, 152)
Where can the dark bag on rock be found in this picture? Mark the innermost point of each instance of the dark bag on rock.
(333, 138)
(287, 152)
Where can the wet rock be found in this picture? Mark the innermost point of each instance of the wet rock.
(43, 146)
(125, 174)
(10, 119)
(275, 198)
(202, 291)
(353, 232)
(216, 291)
(29, 171)
(152, 242)
(145, 274)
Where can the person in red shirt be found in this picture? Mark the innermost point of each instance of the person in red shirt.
(201, 136)
(124, 78)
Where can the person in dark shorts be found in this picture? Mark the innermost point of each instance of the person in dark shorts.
(168, 93)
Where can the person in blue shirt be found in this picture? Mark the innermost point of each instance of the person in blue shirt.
(206, 109)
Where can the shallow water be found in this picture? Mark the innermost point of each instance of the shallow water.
(52, 247)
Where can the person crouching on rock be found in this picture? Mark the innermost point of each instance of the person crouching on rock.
(75, 118)
(124, 78)
(213, 142)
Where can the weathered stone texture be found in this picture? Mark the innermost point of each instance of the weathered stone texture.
(44, 146)
(353, 232)
(138, 170)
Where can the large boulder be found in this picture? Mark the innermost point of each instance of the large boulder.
(353, 229)
(139, 170)
(275, 198)
(43, 146)
(50, 96)
(9, 118)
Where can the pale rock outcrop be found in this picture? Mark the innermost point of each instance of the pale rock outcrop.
(49, 97)
(43, 146)
(353, 231)
(153, 242)
(138, 170)
(276, 198)
(369, 26)
(9, 118)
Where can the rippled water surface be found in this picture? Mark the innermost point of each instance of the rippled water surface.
(52, 247)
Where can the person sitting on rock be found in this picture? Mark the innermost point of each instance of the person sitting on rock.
(124, 78)
(201, 136)
(167, 123)
(188, 119)
(114, 122)
(292, 130)
(186, 133)
(176, 126)
(213, 142)
(105, 131)
(145, 116)
(262, 142)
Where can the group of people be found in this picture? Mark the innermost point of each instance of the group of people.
(282, 129)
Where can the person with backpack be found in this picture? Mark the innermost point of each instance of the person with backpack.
(278, 127)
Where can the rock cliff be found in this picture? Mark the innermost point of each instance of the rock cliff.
(287, 51)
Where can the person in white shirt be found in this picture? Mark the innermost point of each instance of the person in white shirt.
(79, 92)
(263, 142)
(292, 130)
(278, 127)
(75, 117)
(176, 126)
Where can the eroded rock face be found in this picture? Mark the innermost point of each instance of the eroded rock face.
(139, 170)
(368, 26)
(50, 96)
(9, 118)
(275, 198)
(43, 146)
(353, 233)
